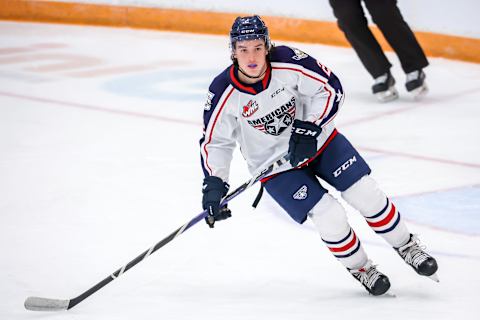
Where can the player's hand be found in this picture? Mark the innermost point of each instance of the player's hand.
(214, 189)
(303, 141)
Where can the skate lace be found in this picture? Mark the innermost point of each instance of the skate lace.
(413, 253)
(367, 275)
(413, 75)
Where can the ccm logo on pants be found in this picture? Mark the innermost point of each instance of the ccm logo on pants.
(344, 167)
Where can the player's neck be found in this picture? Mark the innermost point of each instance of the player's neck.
(249, 79)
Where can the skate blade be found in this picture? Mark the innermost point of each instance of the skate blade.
(434, 277)
(390, 295)
(387, 96)
(386, 295)
(419, 92)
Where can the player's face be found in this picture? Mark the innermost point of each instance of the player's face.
(251, 56)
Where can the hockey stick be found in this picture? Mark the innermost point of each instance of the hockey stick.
(47, 304)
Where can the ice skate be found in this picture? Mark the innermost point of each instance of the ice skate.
(416, 84)
(415, 256)
(384, 88)
(373, 280)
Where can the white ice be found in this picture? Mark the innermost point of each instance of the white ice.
(99, 160)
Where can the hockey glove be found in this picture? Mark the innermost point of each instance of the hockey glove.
(214, 189)
(303, 141)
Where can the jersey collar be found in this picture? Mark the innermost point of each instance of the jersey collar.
(254, 88)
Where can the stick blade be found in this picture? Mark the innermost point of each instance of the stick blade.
(45, 304)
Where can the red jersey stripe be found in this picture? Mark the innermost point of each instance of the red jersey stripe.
(302, 72)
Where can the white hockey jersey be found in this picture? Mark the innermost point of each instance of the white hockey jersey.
(259, 117)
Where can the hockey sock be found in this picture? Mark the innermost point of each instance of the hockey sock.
(380, 213)
(330, 219)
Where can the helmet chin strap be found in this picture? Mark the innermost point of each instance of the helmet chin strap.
(252, 77)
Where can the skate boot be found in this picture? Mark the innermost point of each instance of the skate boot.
(384, 88)
(373, 280)
(415, 256)
(416, 84)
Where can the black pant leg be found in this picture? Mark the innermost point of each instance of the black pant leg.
(352, 21)
(389, 20)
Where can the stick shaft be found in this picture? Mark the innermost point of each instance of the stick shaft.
(45, 304)
(73, 302)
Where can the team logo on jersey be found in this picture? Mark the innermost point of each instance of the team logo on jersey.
(208, 104)
(301, 193)
(299, 55)
(250, 108)
(276, 121)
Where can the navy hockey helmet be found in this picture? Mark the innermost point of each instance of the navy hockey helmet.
(249, 28)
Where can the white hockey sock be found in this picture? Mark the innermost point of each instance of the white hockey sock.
(330, 219)
(381, 214)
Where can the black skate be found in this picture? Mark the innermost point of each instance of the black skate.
(373, 280)
(384, 88)
(415, 256)
(416, 84)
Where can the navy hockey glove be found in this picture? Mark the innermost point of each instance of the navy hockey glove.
(303, 141)
(214, 189)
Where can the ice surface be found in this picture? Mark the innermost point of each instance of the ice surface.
(99, 160)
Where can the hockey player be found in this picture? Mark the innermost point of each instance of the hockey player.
(277, 99)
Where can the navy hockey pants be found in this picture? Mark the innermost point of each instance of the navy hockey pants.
(297, 191)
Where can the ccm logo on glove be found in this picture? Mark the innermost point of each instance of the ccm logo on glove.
(303, 141)
(305, 132)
